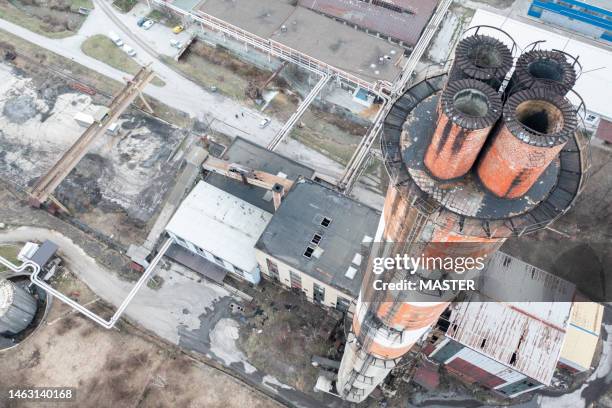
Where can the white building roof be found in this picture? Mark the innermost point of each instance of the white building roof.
(524, 335)
(221, 224)
(595, 83)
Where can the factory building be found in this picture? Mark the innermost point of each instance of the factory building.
(468, 171)
(592, 18)
(510, 347)
(315, 243)
(212, 225)
(500, 340)
(400, 21)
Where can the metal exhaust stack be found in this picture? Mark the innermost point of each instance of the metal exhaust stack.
(467, 111)
(542, 69)
(536, 125)
(482, 58)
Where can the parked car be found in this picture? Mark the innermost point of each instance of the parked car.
(176, 43)
(178, 29)
(129, 50)
(141, 21)
(265, 122)
(148, 24)
(116, 39)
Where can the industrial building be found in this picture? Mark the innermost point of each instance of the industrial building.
(300, 35)
(471, 164)
(400, 21)
(501, 340)
(592, 18)
(316, 243)
(218, 227)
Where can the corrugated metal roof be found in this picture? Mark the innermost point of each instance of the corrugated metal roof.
(509, 336)
(526, 335)
(406, 27)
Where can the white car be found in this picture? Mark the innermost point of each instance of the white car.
(116, 39)
(176, 44)
(129, 50)
(265, 122)
(148, 24)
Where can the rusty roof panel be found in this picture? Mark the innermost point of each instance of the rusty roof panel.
(403, 26)
(526, 336)
(508, 335)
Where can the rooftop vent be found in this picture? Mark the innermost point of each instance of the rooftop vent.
(350, 272)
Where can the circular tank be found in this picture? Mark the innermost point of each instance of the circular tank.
(482, 58)
(542, 69)
(17, 308)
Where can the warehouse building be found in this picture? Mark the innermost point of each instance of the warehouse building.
(214, 227)
(400, 21)
(522, 325)
(316, 243)
(592, 18)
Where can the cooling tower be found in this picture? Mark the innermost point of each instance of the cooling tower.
(17, 308)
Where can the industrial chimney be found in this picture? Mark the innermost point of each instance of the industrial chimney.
(467, 110)
(537, 123)
(441, 202)
(543, 69)
(483, 58)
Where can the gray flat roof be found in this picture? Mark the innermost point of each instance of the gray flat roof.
(318, 36)
(261, 17)
(248, 154)
(297, 220)
(340, 45)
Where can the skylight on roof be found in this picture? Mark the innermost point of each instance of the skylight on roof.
(325, 222)
(308, 252)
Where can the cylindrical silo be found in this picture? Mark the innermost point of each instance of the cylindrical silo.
(17, 308)
(483, 58)
(537, 123)
(542, 69)
(467, 110)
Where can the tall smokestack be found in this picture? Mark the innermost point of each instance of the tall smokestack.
(542, 69)
(537, 123)
(482, 58)
(429, 216)
(467, 111)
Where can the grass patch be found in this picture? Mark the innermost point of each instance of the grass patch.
(125, 5)
(50, 22)
(9, 252)
(165, 19)
(103, 49)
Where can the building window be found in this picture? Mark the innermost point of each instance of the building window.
(296, 280)
(316, 238)
(325, 222)
(219, 260)
(308, 252)
(318, 293)
(272, 269)
(342, 304)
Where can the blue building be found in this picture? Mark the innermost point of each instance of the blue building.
(592, 18)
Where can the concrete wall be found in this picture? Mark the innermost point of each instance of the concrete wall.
(331, 294)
